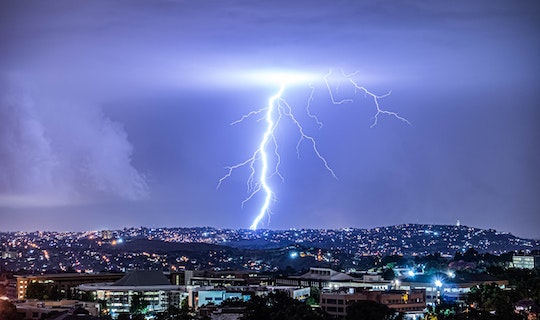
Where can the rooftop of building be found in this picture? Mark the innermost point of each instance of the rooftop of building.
(69, 275)
(74, 314)
(325, 274)
(135, 280)
(139, 278)
(459, 278)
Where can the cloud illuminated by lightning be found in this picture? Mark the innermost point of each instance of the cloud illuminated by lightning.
(272, 114)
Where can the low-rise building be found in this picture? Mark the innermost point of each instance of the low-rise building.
(525, 261)
(325, 278)
(297, 293)
(200, 296)
(64, 283)
(35, 310)
(217, 296)
(451, 288)
(152, 287)
(218, 278)
(411, 302)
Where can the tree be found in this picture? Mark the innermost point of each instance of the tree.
(8, 311)
(370, 310)
(36, 290)
(389, 274)
(138, 304)
(527, 283)
(446, 310)
(314, 296)
(174, 313)
(490, 297)
(42, 291)
(395, 260)
(86, 296)
(124, 316)
(471, 255)
(278, 305)
(103, 308)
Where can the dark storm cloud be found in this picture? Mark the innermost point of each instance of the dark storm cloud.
(145, 44)
(115, 91)
(53, 155)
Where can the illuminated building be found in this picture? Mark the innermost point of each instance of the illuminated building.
(218, 278)
(317, 277)
(36, 310)
(451, 288)
(210, 295)
(150, 286)
(217, 296)
(526, 262)
(64, 282)
(300, 294)
(107, 234)
(327, 278)
(411, 302)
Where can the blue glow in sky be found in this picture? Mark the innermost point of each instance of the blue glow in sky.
(117, 114)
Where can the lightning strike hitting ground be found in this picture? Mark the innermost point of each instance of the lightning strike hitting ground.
(273, 113)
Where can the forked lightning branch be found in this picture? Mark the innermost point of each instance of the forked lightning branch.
(264, 162)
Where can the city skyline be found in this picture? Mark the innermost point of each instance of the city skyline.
(118, 114)
(131, 247)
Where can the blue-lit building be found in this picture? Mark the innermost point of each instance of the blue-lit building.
(453, 287)
(525, 261)
(216, 297)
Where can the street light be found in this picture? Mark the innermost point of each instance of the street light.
(438, 285)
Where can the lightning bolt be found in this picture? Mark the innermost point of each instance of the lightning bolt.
(277, 108)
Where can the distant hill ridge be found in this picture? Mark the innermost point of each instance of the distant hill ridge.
(402, 239)
(397, 239)
(204, 248)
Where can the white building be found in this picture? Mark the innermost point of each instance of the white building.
(217, 296)
(525, 262)
(151, 286)
(35, 309)
(451, 288)
(325, 278)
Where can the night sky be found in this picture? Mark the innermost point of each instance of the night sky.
(117, 113)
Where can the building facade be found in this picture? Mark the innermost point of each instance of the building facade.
(150, 287)
(325, 278)
(526, 262)
(411, 302)
(451, 288)
(65, 283)
(37, 310)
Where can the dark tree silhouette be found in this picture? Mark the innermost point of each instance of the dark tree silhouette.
(42, 291)
(370, 310)
(174, 313)
(389, 274)
(8, 311)
(490, 297)
(138, 304)
(279, 305)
